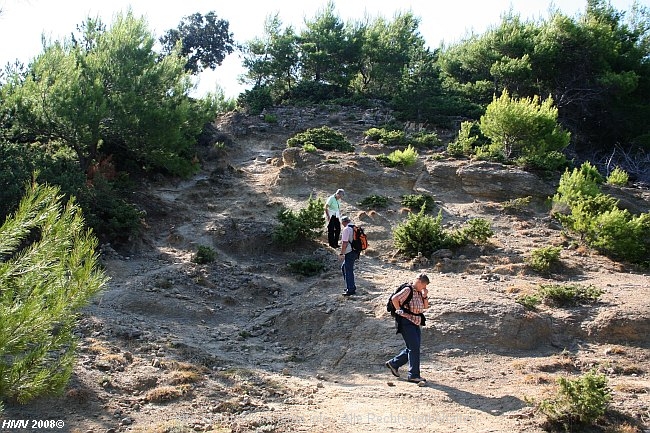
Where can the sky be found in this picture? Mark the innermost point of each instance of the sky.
(24, 22)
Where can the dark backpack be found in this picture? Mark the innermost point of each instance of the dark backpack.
(389, 305)
(391, 308)
(359, 239)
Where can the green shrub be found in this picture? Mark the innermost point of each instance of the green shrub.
(568, 295)
(306, 224)
(417, 201)
(516, 205)
(374, 202)
(618, 234)
(618, 176)
(525, 127)
(393, 138)
(111, 217)
(530, 302)
(543, 259)
(308, 147)
(255, 100)
(403, 158)
(464, 143)
(425, 140)
(421, 233)
(577, 185)
(270, 118)
(551, 161)
(580, 401)
(374, 133)
(48, 271)
(324, 138)
(307, 267)
(477, 230)
(204, 255)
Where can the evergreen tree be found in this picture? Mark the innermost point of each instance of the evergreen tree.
(48, 271)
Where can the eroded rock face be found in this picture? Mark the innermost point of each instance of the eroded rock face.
(620, 327)
(493, 181)
(479, 323)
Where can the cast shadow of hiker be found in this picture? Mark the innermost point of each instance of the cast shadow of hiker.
(492, 405)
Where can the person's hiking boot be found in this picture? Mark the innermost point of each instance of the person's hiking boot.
(392, 369)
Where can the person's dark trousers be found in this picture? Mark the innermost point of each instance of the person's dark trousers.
(347, 269)
(333, 232)
(412, 335)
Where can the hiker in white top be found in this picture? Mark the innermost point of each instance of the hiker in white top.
(333, 217)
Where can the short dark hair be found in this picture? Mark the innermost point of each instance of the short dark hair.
(423, 278)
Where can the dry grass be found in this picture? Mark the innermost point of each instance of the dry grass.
(537, 379)
(631, 388)
(166, 393)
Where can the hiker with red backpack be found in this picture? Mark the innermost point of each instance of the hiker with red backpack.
(348, 255)
(408, 305)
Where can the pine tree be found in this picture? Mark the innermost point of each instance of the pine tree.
(48, 271)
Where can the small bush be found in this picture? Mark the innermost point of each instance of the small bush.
(425, 140)
(417, 201)
(568, 295)
(308, 147)
(579, 401)
(421, 233)
(374, 202)
(204, 255)
(530, 302)
(477, 230)
(324, 138)
(618, 176)
(403, 158)
(306, 224)
(270, 118)
(551, 161)
(516, 205)
(307, 267)
(464, 143)
(393, 138)
(255, 100)
(543, 259)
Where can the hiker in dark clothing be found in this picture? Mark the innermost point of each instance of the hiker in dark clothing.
(409, 317)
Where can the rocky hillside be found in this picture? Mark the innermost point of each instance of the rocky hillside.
(242, 344)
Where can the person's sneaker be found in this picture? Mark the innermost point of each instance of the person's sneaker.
(392, 369)
(419, 380)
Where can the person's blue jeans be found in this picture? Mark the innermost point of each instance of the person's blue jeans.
(347, 269)
(412, 335)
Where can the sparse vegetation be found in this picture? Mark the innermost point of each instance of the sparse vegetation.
(399, 158)
(516, 205)
(424, 234)
(568, 295)
(204, 255)
(324, 138)
(597, 218)
(416, 202)
(578, 402)
(306, 224)
(307, 267)
(374, 201)
(618, 176)
(543, 259)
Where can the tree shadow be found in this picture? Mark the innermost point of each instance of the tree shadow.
(491, 405)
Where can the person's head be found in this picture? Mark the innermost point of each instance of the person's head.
(421, 281)
(345, 220)
(339, 193)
